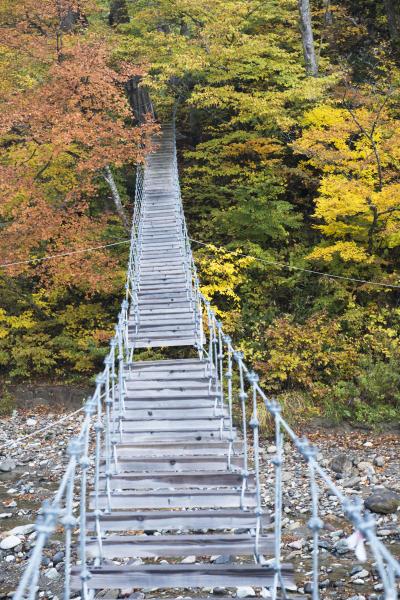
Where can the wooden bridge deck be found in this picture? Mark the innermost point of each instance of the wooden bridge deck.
(166, 313)
(174, 495)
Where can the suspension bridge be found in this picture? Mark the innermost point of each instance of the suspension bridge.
(168, 463)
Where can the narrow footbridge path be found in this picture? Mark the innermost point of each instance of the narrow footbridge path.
(167, 466)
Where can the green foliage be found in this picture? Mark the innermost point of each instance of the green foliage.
(7, 403)
(53, 334)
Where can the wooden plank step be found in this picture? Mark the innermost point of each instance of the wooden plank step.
(166, 321)
(173, 364)
(219, 448)
(137, 546)
(155, 425)
(168, 310)
(171, 295)
(166, 282)
(157, 269)
(166, 403)
(167, 392)
(180, 435)
(164, 343)
(171, 260)
(154, 331)
(177, 519)
(147, 281)
(148, 278)
(161, 238)
(155, 334)
(174, 499)
(162, 332)
(163, 286)
(156, 303)
(170, 250)
(196, 479)
(170, 376)
(157, 242)
(181, 576)
(153, 428)
(177, 463)
(175, 412)
(164, 256)
(165, 227)
(174, 243)
(156, 384)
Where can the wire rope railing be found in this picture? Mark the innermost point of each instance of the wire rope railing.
(93, 454)
(223, 359)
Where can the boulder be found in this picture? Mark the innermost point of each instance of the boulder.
(383, 501)
(23, 529)
(342, 464)
(12, 541)
(7, 465)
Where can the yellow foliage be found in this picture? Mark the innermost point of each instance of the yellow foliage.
(24, 321)
(222, 272)
(348, 251)
(358, 202)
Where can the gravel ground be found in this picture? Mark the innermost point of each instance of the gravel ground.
(362, 464)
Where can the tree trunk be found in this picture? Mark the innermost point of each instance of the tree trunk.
(308, 38)
(139, 99)
(108, 176)
(393, 16)
(328, 19)
(118, 12)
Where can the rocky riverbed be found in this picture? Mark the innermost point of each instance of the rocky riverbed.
(362, 464)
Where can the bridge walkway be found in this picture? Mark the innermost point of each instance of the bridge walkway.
(181, 492)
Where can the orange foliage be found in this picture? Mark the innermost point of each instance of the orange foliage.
(56, 139)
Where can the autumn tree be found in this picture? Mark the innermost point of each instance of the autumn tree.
(354, 144)
(58, 139)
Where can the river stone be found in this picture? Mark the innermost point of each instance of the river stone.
(348, 483)
(10, 542)
(341, 547)
(383, 502)
(364, 465)
(296, 545)
(341, 464)
(52, 573)
(245, 592)
(57, 558)
(7, 465)
(189, 560)
(23, 529)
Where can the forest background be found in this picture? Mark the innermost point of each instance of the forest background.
(289, 144)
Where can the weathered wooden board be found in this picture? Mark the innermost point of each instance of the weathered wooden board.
(174, 499)
(178, 464)
(181, 576)
(174, 412)
(172, 448)
(183, 545)
(196, 479)
(178, 436)
(170, 520)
